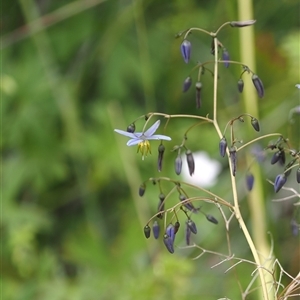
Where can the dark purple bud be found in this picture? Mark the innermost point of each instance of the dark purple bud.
(242, 23)
(178, 164)
(142, 189)
(131, 128)
(155, 229)
(275, 158)
(168, 243)
(294, 227)
(232, 152)
(280, 180)
(225, 57)
(170, 231)
(240, 85)
(298, 175)
(161, 151)
(188, 235)
(282, 158)
(176, 226)
(198, 94)
(212, 219)
(255, 124)
(249, 181)
(187, 204)
(147, 231)
(187, 84)
(258, 85)
(186, 50)
(223, 146)
(190, 162)
(191, 224)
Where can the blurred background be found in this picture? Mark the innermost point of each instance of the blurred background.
(72, 71)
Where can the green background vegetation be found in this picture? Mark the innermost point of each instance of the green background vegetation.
(72, 71)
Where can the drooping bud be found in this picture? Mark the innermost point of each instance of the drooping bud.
(282, 158)
(249, 181)
(155, 229)
(187, 204)
(191, 224)
(187, 84)
(240, 85)
(190, 162)
(161, 151)
(255, 124)
(258, 85)
(280, 180)
(242, 23)
(168, 243)
(142, 189)
(186, 50)
(232, 152)
(225, 57)
(178, 164)
(275, 157)
(147, 231)
(198, 94)
(170, 231)
(223, 146)
(131, 128)
(212, 219)
(298, 175)
(176, 226)
(188, 235)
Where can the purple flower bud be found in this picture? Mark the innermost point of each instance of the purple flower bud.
(186, 50)
(280, 180)
(258, 85)
(198, 94)
(190, 162)
(225, 57)
(170, 231)
(232, 152)
(275, 157)
(188, 235)
(223, 146)
(282, 158)
(168, 243)
(255, 124)
(188, 205)
(131, 128)
(161, 151)
(240, 85)
(147, 231)
(178, 164)
(191, 224)
(187, 84)
(249, 181)
(242, 23)
(176, 226)
(298, 175)
(142, 189)
(212, 219)
(155, 229)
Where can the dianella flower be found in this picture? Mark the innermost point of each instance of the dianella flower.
(185, 48)
(142, 138)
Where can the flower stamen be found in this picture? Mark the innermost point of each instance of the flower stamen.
(144, 147)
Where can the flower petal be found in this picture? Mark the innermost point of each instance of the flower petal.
(152, 129)
(133, 142)
(159, 137)
(128, 134)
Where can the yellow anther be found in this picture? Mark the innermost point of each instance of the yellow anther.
(144, 148)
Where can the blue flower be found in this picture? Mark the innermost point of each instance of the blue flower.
(142, 138)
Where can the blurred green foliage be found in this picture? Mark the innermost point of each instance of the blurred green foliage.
(71, 72)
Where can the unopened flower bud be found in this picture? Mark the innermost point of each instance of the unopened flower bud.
(142, 189)
(155, 229)
(249, 181)
(223, 146)
(192, 226)
(161, 151)
(255, 124)
(190, 162)
(187, 204)
(233, 159)
(298, 175)
(188, 235)
(176, 226)
(169, 243)
(198, 94)
(170, 231)
(187, 84)
(278, 156)
(147, 231)
(178, 165)
(225, 57)
(212, 219)
(258, 85)
(186, 50)
(240, 85)
(131, 128)
(242, 23)
(280, 180)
